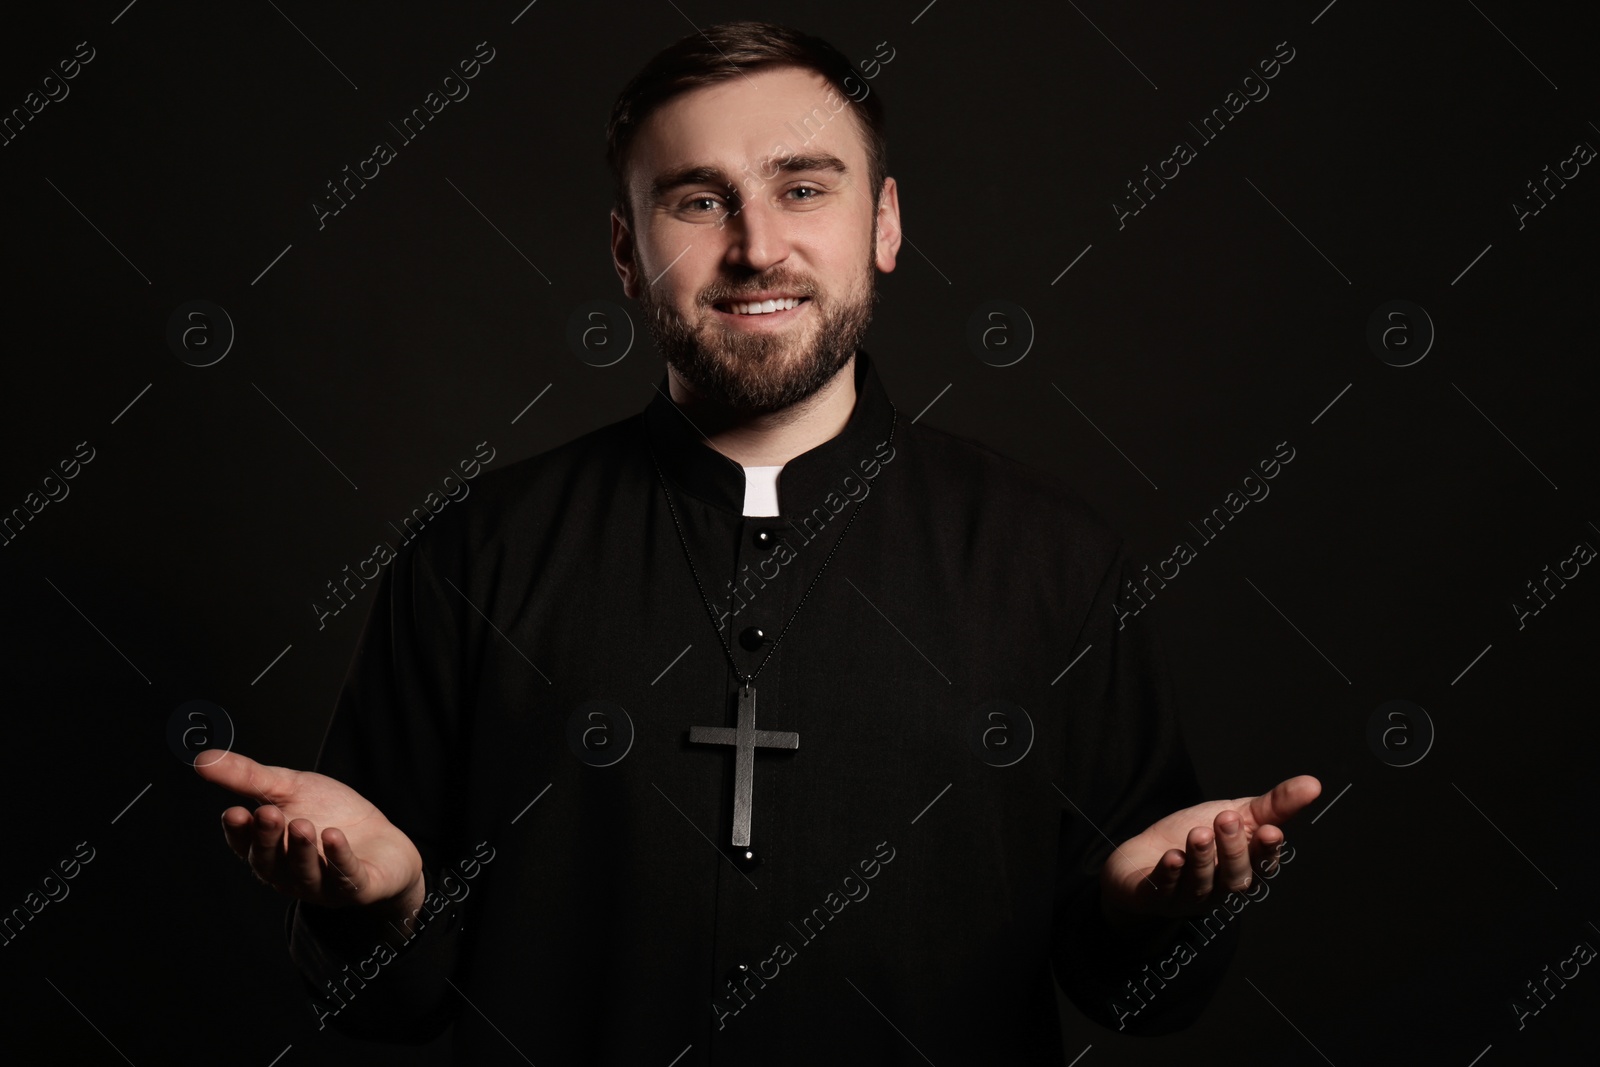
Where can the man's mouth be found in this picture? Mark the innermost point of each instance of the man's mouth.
(760, 307)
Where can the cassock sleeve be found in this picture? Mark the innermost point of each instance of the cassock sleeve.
(395, 739)
(1132, 769)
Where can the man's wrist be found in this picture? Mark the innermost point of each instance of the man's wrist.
(1133, 932)
(395, 920)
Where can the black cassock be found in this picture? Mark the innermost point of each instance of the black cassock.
(974, 730)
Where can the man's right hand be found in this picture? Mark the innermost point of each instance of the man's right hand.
(358, 857)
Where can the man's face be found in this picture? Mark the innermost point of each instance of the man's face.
(757, 185)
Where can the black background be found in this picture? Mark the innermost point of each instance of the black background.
(1222, 319)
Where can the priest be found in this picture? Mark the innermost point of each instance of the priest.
(765, 725)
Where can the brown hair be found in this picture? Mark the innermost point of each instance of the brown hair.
(729, 50)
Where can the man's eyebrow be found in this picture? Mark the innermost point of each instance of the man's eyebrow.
(703, 174)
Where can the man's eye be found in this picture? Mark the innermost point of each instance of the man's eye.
(690, 205)
(806, 189)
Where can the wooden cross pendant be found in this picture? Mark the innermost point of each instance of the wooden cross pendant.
(745, 739)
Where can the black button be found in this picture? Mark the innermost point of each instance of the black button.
(766, 538)
(752, 638)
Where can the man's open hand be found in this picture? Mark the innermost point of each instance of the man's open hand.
(358, 858)
(1179, 864)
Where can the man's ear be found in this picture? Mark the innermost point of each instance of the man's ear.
(888, 226)
(622, 252)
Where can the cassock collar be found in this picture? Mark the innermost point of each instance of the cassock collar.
(693, 466)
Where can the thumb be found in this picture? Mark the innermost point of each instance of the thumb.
(1284, 801)
(245, 776)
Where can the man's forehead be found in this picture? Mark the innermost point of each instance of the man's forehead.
(777, 117)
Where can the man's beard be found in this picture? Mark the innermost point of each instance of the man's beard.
(755, 372)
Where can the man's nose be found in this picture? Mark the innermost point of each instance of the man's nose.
(757, 236)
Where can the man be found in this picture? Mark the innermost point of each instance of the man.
(765, 726)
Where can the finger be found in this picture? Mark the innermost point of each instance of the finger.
(302, 867)
(1167, 872)
(245, 776)
(1199, 872)
(1233, 852)
(266, 843)
(1265, 847)
(345, 872)
(1284, 801)
(237, 824)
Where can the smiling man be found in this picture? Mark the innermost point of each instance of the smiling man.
(765, 726)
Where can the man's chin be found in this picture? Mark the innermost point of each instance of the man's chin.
(755, 381)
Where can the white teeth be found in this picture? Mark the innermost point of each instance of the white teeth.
(764, 307)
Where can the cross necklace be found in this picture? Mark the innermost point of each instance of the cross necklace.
(743, 736)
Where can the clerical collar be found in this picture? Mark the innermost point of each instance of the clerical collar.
(700, 470)
(761, 491)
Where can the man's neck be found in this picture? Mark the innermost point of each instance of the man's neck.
(775, 438)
